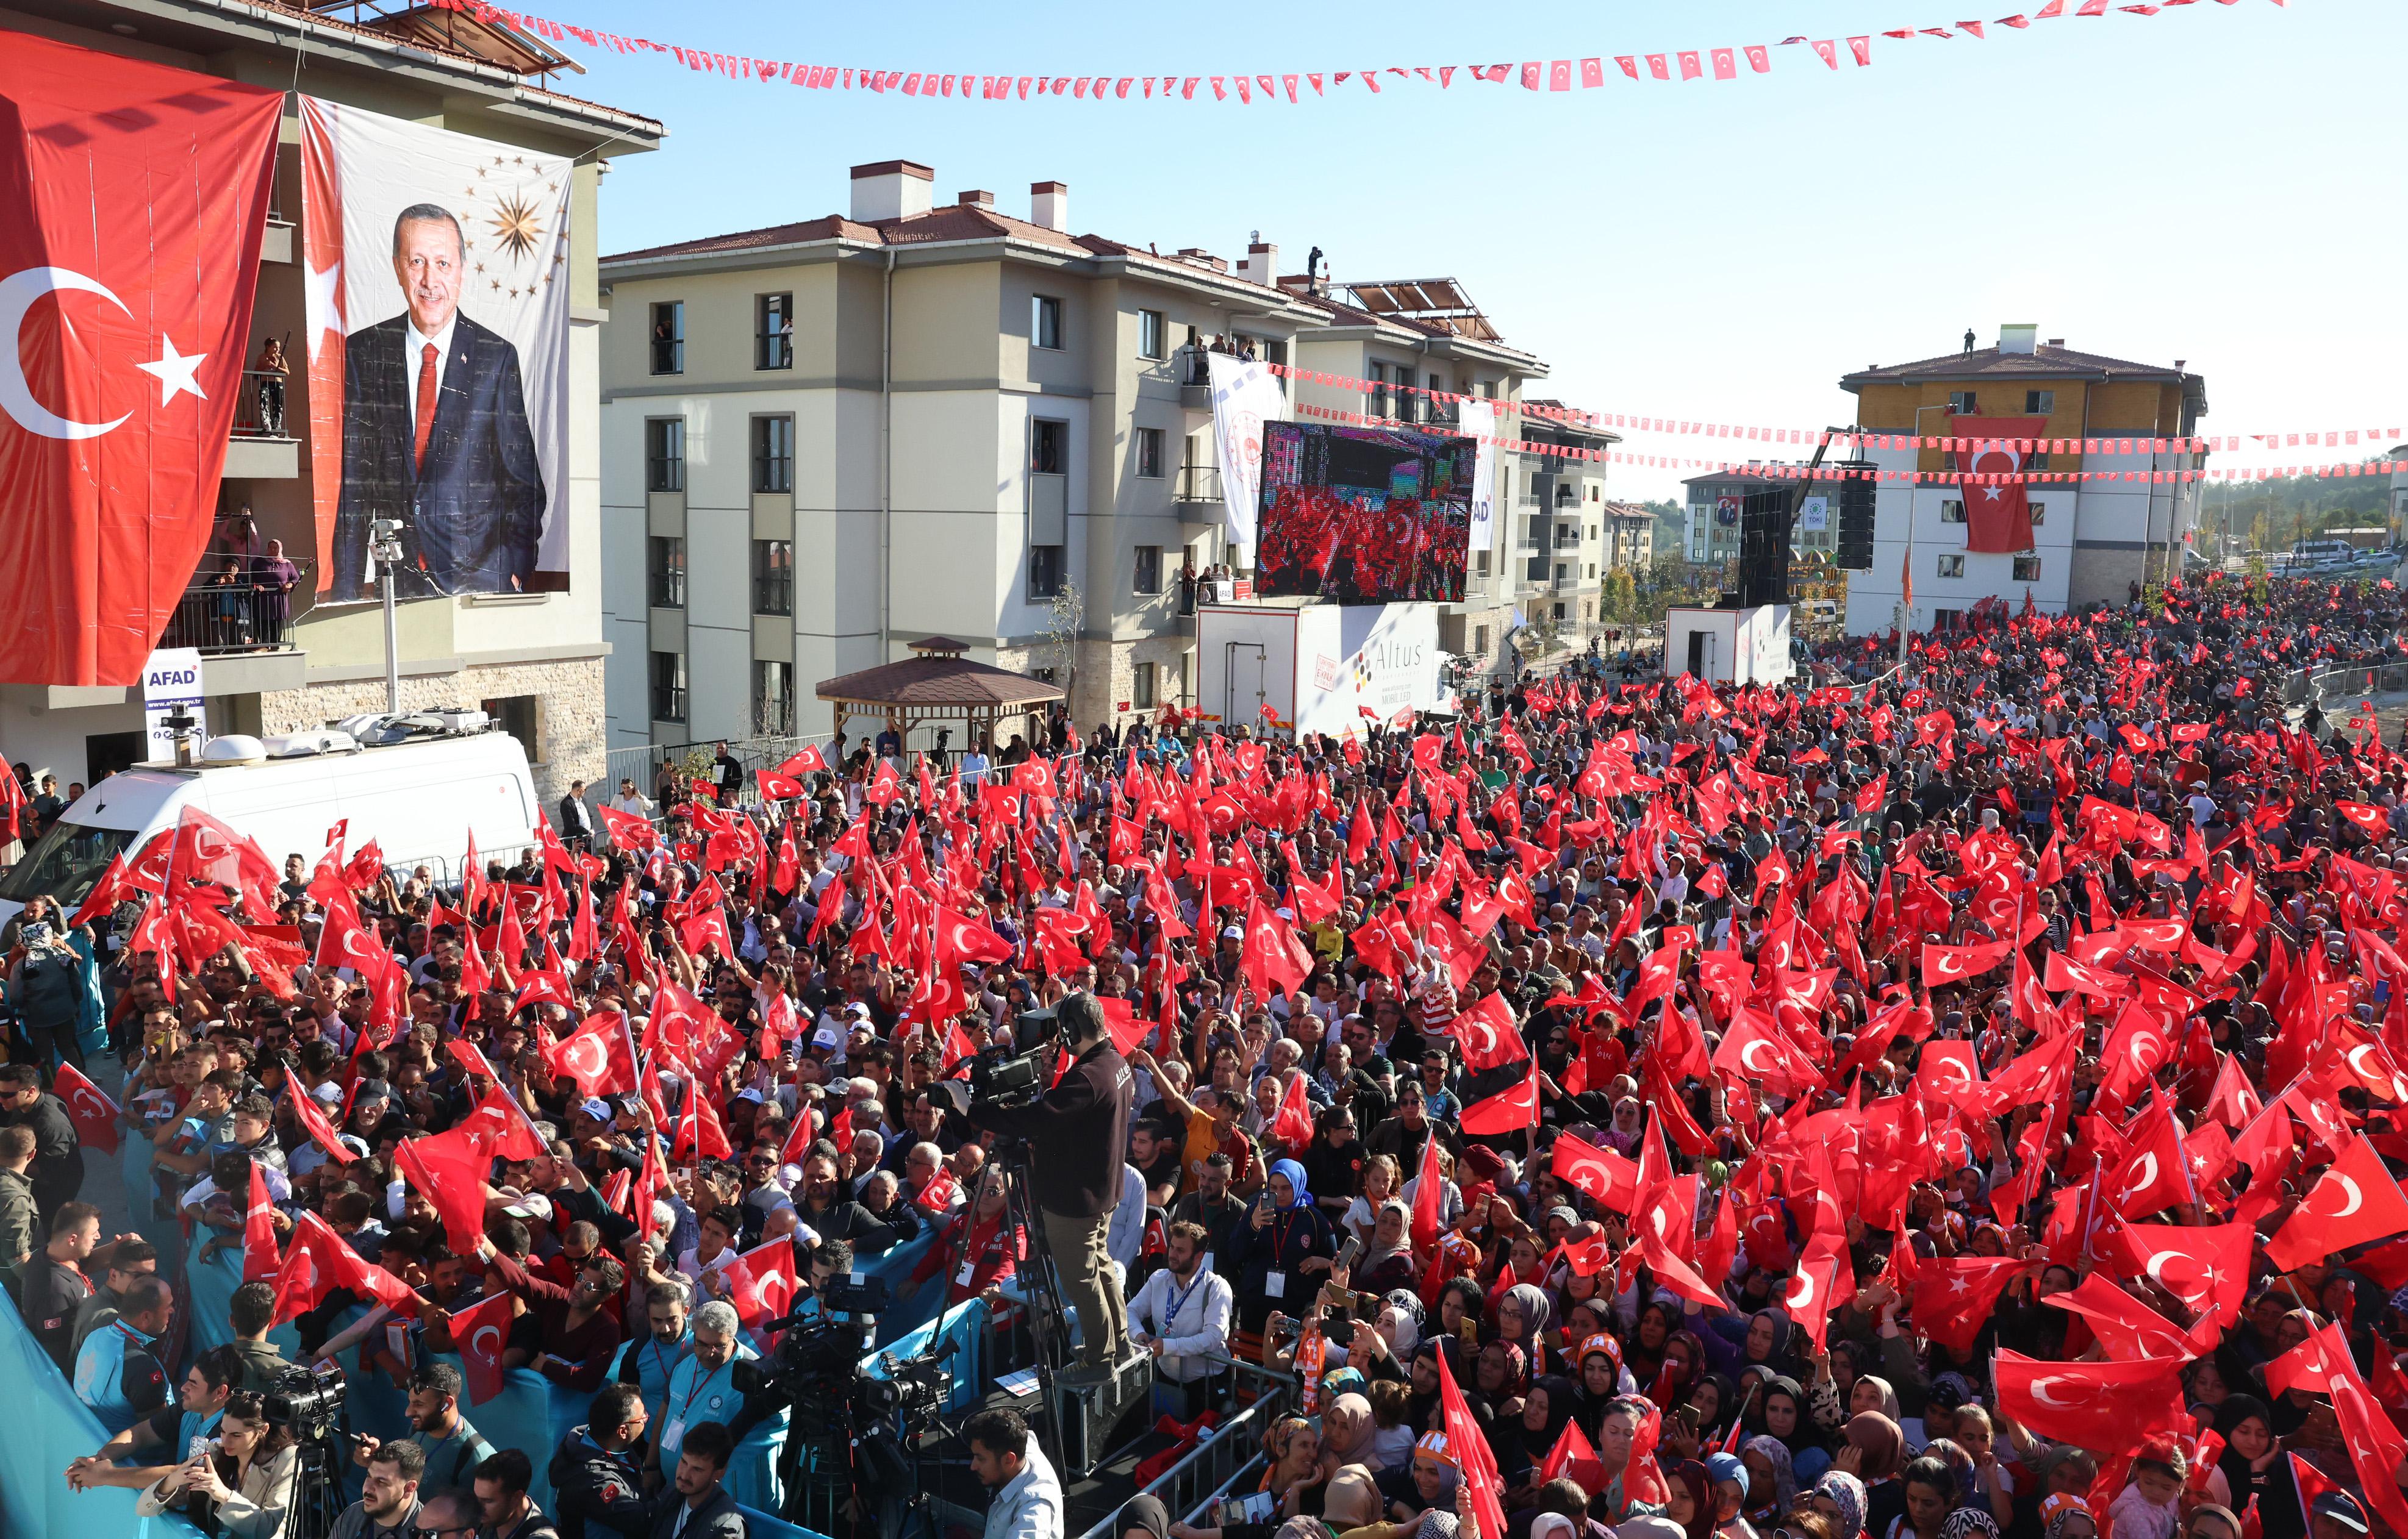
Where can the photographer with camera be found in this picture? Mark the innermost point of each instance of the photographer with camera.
(1028, 1501)
(1085, 1123)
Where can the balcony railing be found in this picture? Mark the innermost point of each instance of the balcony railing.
(1197, 484)
(242, 611)
(258, 411)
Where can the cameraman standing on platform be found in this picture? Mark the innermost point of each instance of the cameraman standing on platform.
(1083, 1123)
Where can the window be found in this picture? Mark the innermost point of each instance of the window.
(668, 337)
(1952, 511)
(1149, 333)
(773, 577)
(773, 331)
(1044, 571)
(1951, 567)
(2036, 459)
(664, 454)
(1562, 571)
(2027, 569)
(1480, 640)
(773, 698)
(1048, 446)
(1045, 322)
(1942, 620)
(2040, 403)
(2039, 512)
(773, 454)
(665, 565)
(1149, 454)
(1141, 687)
(1961, 401)
(1592, 568)
(1149, 569)
(668, 686)
(1480, 563)
(1560, 613)
(1379, 389)
(516, 715)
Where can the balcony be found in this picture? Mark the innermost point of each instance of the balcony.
(1196, 493)
(227, 612)
(1195, 378)
(261, 445)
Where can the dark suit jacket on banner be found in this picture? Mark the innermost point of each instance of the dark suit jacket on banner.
(473, 519)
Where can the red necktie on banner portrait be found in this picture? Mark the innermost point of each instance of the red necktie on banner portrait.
(137, 196)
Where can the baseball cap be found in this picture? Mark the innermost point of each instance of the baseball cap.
(2342, 1509)
(535, 1205)
(597, 1109)
(825, 1037)
(1235, 932)
(858, 1010)
(373, 1090)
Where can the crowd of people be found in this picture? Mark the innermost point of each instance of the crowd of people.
(1958, 1102)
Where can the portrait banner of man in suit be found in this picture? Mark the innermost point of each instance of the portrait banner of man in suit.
(438, 300)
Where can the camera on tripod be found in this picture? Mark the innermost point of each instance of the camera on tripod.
(305, 1400)
(1013, 1074)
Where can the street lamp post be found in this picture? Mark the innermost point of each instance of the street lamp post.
(384, 544)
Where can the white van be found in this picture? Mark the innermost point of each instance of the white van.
(419, 798)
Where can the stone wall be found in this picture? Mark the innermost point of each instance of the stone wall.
(569, 731)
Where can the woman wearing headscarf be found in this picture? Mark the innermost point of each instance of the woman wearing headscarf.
(1771, 1480)
(1874, 1452)
(1630, 1124)
(2253, 1465)
(1346, 1431)
(1735, 1343)
(1523, 1441)
(1280, 1250)
(1969, 1523)
(1522, 1317)
(1692, 1500)
(1387, 1263)
(1841, 1497)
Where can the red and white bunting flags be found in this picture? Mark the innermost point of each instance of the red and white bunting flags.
(1551, 76)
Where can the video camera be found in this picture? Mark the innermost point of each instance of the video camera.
(305, 1400)
(1015, 1074)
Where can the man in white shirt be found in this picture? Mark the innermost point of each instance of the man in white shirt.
(1181, 1314)
(1124, 1239)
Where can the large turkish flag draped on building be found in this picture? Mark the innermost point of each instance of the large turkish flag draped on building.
(135, 196)
(1997, 514)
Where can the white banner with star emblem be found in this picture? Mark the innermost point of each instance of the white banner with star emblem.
(437, 292)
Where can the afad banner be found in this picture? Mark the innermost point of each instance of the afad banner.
(131, 201)
(439, 355)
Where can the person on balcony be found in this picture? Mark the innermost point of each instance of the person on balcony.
(270, 370)
(272, 580)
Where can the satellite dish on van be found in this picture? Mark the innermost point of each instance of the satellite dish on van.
(234, 749)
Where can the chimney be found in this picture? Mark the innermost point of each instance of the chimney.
(2057, 341)
(975, 199)
(1050, 205)
(2018, 337)
(891, 189)
(1261, 265)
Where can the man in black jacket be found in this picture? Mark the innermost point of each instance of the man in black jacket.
(1083, 1121)
(594, 1478)
(57, 1171)
(695, 1506)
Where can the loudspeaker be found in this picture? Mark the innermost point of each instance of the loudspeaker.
(1855, 515)
(1764, 548)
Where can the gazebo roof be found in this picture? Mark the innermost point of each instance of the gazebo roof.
(938, 681)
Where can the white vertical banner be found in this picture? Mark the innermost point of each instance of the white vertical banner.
(1245, 397)
(171, 682)
(1476, 421)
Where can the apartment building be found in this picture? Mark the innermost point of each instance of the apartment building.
(2110, 418)
(831, 438)
(1712, 503)
(1561, 548)
(534, 661)
(1629, 536)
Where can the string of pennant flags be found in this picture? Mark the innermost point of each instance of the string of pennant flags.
(1549, 74)
(2121, 444)
(1835, 471)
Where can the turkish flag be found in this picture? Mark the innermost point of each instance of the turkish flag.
(1500, 1082)
(1575, 1456)
(1470, 1445)
(1998, 517)
(938, 1195)
(1953, 1296)
(137, 196)
(2205, 1266)
(629, 832)
(1293, 1124)
(450, 1168)
(778, 788)
(2128, 1329)
(318, 1261)
(2376, 1447)
(480, 1333)
(2103, 1407)
(761, 1282)
(1944, 964)
(599, 1056)
(1610, 1177)
(2355, 1202)
(811, 760)
(93, 1113)
(259, 1258)
(1429, 1198)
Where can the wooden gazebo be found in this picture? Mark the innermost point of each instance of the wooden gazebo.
(938, 687)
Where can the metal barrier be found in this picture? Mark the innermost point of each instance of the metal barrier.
(2346, 685)
(1211, 1467)
(642, 763)
(234, 611)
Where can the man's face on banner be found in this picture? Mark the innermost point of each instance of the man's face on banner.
(427, 258)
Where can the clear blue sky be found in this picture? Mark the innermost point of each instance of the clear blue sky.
(2217, 183)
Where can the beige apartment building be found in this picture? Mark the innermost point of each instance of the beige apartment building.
(535, 662)
(832, 438)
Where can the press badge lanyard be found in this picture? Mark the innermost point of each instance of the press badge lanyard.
(699, 1386)
(1179, 1300)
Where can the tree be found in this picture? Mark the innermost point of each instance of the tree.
(1065, 616)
